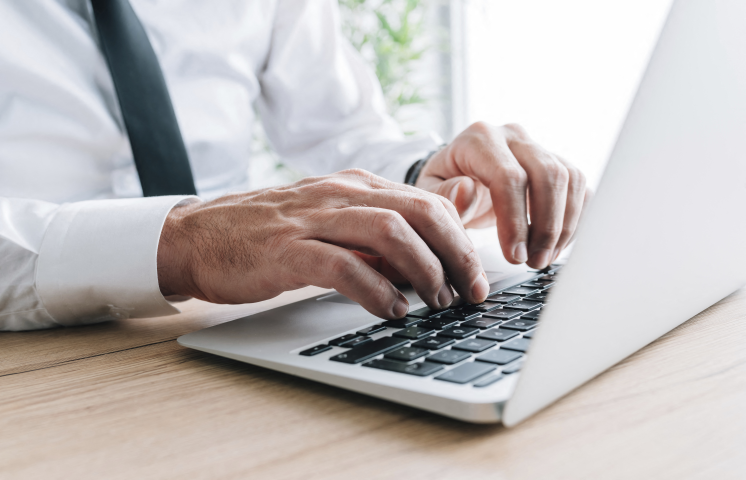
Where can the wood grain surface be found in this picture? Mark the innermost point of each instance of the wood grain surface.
(124, 400)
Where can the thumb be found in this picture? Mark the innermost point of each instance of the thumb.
(462, 192)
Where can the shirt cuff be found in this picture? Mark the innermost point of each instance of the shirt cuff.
(98, 260)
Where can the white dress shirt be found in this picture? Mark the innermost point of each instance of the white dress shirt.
(78, 242)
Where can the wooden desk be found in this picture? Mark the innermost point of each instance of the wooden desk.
(124, 400)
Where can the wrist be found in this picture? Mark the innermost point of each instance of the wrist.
(413, 174)
(174, 263)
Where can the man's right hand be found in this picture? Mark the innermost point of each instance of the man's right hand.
(351, 231)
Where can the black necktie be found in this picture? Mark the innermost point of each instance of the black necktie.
(160, 156)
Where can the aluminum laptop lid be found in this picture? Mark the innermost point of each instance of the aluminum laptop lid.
(665, 236)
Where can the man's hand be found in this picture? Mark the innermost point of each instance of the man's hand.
(499, 175)
(352, 231)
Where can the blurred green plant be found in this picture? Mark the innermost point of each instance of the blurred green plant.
(390, 34)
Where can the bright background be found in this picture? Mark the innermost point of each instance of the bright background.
(565, 70)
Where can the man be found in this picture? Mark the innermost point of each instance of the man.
(79, 245)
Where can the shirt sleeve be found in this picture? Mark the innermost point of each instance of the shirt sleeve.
(80, 263)
(321, 106)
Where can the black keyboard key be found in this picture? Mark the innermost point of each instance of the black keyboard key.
(546, 285)
(499, 356)
(449, 357)
(519, 345)
(434, 343)
(503, 314)
(438, 323)
(413, 333)
(457, 303)
(426, 312)
(466, 373)
(356, 342)
(521, 325)
(503, 298)
(481, 323)
(498, 334)
(532, 315)
(406, 354)
(524, 305)
(315, 350)
(529, 334)
(369, 350)
(475, 345)
(533, 285)
(402, 322)
(458, 332)
(421, 369)
(538, 297)
(461, 315)
(522, 291)
(548, 278)
(371, 330)
(513, 367)
(489, 380)
(482, 307)
(337, 342)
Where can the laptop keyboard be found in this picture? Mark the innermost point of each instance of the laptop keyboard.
(464, 344)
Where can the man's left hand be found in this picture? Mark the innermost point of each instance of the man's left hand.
(498, 175)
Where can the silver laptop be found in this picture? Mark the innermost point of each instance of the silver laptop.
(664, 238)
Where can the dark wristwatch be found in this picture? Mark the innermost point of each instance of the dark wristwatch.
(414, 171)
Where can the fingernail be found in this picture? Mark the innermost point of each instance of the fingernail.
(480, 289)
(445, 296)
(401, 306)
(520, 254)
(543, 258)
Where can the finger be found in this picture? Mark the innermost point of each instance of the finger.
(429, 218)
(586, 198)
(548, 183)
(329, 266)
(388, 234)
(461, 191)
(489, 160)
(434, 219)
(464, 193)
(576, 189)
(369, 180)
(382, 266)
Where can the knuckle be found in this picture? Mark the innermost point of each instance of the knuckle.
(470, 259)
(449, 206)
(431, 208)
(556, 175)
(548, 235)
(428, 205)
(388, 224)
(567, 232)
(433, 273)
(329, 186)
(355, 172)
(517, 130)
(513, 175)
(379, 295)
(342, 267)
(480, 127)
(577, 178)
